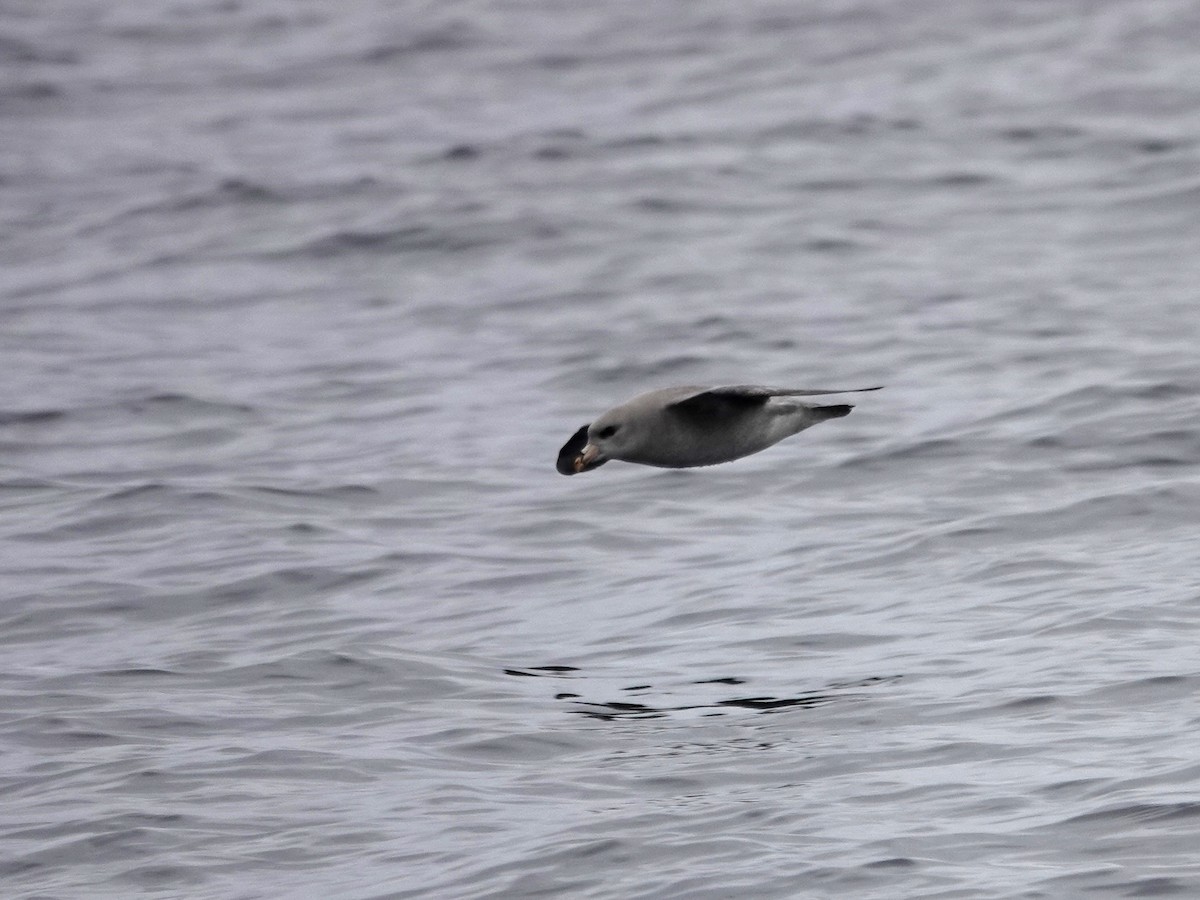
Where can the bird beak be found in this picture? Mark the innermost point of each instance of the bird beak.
(577, 455)
(587, 459)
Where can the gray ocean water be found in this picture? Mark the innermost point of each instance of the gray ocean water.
(298, 301)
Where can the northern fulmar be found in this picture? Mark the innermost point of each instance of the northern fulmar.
(680, 427)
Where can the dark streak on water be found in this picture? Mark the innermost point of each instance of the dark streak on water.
(299, 301)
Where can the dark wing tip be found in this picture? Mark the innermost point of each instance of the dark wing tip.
(832, 412)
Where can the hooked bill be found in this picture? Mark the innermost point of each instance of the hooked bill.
(570, 457)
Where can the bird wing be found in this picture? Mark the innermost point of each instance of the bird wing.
(721, 402)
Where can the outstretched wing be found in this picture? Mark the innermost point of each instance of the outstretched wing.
(715, 404)
(756, 390)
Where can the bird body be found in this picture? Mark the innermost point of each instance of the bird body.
(692, 425)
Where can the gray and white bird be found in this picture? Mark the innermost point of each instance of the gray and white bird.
(680, 427)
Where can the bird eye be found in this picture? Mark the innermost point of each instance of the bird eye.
(607, 431)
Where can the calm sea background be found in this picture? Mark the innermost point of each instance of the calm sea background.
(298, 301)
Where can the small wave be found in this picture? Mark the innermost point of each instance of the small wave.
(1121, 816)
(31, 90)
(135, 672)
(445, 38)
(16, 50)
(460, 152)
(854, 123)
(282, 582)
(961, 179)
(649, 372)
(136, 490)
(643, 141)
(541, 671)
(30, 417)
(229, 190)
(410, 238)
(613, 709)
(333, 492)
(1040, 133)
(1078, 404)
(1175, 505)
(833, 245)
(183, 404)
(925, 448)
(28, 483)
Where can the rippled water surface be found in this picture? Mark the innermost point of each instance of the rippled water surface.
(299, 300)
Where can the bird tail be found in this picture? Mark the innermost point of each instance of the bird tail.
(821, 413)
